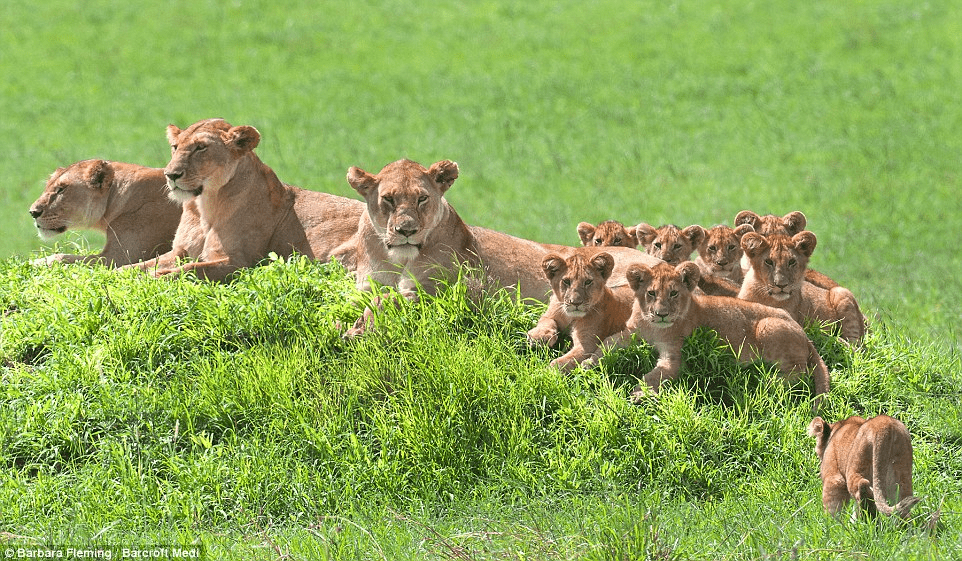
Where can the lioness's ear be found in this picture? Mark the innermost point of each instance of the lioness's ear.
(638, 276)
(754, 243)
(242, 139)
(604, 263)
(816, 427)
(694, 234)
(172, 133)
(748, 217)
(99, 175)
(361, 181)
(743, 229)
(689, 273)
(553, 265)
(805, 242)
(646, 233)
(444, 173)
(585, 231)
(794, 222)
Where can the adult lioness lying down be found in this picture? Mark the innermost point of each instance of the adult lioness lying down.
(236, 210)
(410, 235)
(126, 202)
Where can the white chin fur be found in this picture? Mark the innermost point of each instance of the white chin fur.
(405, 252)
(575, 313)
(781, 295)
(47, 234)
(178, 195)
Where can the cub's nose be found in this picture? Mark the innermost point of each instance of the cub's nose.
(173, 175)
(35, 213)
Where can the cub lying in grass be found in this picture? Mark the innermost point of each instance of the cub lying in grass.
(666, 310)
(777, 278)
(868, 460)
(582, 302)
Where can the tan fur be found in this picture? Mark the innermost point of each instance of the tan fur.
(720, 252)
(609, 233)
(589, 308)
(669, 243)
(236, 210)
(777, 278)
(410, 235)
(868, 460)
(788, 225)
(667, 309)
(126, 202)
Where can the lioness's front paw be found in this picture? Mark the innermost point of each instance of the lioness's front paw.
(640, 393)
(46, 261)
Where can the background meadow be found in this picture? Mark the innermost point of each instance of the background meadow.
(231, 415)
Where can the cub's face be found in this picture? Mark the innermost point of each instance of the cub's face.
(205, 156)
(578, 282)
(609, 233)
(663, 292)
(74, 197)
(669, 243)
(721, 248)
(779, 261)
(404, 202)
(789, 225)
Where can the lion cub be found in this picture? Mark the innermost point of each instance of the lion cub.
(667, 309)
(788, 225)
(669, 243)
(609, 233)
(582, 302)
(720, 252)
(868, 460)
(777, 278)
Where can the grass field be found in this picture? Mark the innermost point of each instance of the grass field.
(232, 416)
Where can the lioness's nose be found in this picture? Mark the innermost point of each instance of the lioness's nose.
(406, 232)
(35, 213)
(173, 175)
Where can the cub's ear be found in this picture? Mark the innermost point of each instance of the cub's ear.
(444, 173)
(172, 133)
(753, 243)
(585, 231)
(694, 234)
(242, 139)
(646, 233)
(362, 181)
(794, 222)
(604, 263)
(817, 427)
(743, 229)
(748, 217)
(805, 242)
(639, 276)
(553, 265)
(633, 236)
(99, 175)
(690, 273)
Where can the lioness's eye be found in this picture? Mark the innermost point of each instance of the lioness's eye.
(422, 199)
(388, 200)
(200, 148)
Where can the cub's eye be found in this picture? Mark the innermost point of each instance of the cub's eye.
(651, 294)
(566, 282)
(617, 241)
(712, 248)
(389, 201)
(791, 262)
(173, 147)
(588, 282)
(422, 199)
(60, 189)
(676, 247)
(200, 148)
(673, 294)
(658, 245)
(599, 241)
(769, 262)
(731, 247)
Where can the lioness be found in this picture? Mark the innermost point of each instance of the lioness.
(868, 460)
(788, 225)
(609, 233)
(777, 278)
(127, 202)
(410, 235)
(236, 210)
(669, 243)
(588, 307)
(666, 310)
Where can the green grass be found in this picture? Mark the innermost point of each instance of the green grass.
(232, 415)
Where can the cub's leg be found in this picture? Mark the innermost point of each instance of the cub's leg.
(834, 494)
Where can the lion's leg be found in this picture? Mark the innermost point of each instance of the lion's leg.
(667, 367)
(852, 321)
(548, 328)
(834, 494)
(217, 270)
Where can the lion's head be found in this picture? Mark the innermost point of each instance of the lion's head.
(669, 243)
(578, 282)
(779, 261)
(404, 202)
(609, 233)
(720, 248)
(663, 292)
(205, 155)
(75, 197)
(789, 225)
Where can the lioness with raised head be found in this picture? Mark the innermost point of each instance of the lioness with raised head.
(868, 460)
(126, 202)
(410, 236)
(609, 233)
(236, 210)
(669, 243)
(588, 307)
(777, 278)
(666, 310)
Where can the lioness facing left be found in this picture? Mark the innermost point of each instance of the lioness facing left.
(126, 202)
(868, 460)
(236, 210)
